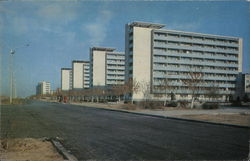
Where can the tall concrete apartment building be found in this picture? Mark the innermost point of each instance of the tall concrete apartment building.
(66, 79)
(80, 74)
(43, 88)
(154, 54)
(107, 67)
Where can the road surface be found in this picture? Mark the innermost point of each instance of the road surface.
(91, 133)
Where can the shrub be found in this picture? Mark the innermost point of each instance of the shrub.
(172, 104)
(184, 104)
(151, 104)
(236, 103)
(209, 105)
(129, 106)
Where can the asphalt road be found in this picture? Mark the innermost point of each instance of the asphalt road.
(99, 134)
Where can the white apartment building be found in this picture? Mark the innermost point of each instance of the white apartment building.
(154, 54)
(80, 74)
(107, 67)
(66, 79)
(43, 88)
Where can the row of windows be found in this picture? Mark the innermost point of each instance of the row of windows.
(115, 70)
(187, 73)
(112, 80)
(194, 59)
(202, 38)
(197, 51)
(195, 67)
(177, 43)
(173, 80)
(116, 75)
(116, 65)
(115, 61)
(158, 88)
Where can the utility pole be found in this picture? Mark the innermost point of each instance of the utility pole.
(12, 52)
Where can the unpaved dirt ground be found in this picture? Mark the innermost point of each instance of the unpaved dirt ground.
(28, 149)
(236, 119)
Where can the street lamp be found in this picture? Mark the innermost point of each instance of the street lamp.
(12, 52)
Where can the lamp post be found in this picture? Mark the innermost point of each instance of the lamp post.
(12, 52)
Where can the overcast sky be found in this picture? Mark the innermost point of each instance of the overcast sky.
(60, 32)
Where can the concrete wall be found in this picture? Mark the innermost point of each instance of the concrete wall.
(98, 70)
(141, 57)
(77, 75)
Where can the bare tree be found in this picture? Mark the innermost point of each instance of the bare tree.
(97, 93)
(118, 91)
(130, 87)
(194, 83)
(167, 89)
(163, 88)
(212, 92)
(145, 89)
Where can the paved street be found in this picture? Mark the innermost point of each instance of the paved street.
(99, 134)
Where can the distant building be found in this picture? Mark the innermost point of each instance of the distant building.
(43, 88)
(247, 83)
(107, 67)
(154, 54)
(80, 74)
(66, 79)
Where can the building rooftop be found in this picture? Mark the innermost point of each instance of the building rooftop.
(80, 61)
(102, 48)
(66, 69)
(199, 34)
(116, 52)
(147, 25)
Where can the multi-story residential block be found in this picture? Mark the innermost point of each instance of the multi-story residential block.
(247, 84)
(154, 54)
(43, 88)
(66, 79)
(80, 74)
(86, 74)
(107, 67)
(244, 86)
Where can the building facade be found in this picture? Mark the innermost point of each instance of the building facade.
(66, 79)
(247, 84)
(43, 88)
(86, 75)
(80, 74)
(155, 55)
(107, 67)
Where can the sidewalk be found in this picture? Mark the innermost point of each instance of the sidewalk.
(170, 112)
(224, 115)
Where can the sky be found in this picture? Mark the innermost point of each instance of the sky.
(61, 31)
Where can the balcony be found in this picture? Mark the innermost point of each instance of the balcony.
(198, 48)
(188, 40)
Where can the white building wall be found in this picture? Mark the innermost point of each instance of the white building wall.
(98, 70)
(77, 75)
(141, 57)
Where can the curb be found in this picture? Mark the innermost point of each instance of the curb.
(59, 147)
(168, 117)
